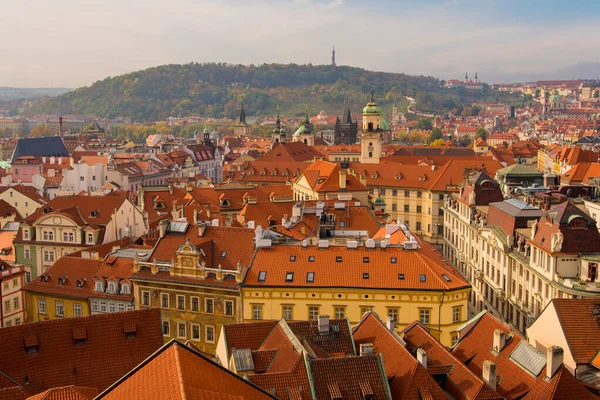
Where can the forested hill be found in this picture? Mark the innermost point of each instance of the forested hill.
(215, 90)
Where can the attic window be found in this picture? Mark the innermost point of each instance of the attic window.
(94, 213)
(400, 277)
(446, 278)
(6, 251)
(374, 176)
(311, 258)
(31, 344)
(274, 173)
(422, 278)
(159, 205)
(251, 173)
(365, 275)
(578, 223)
(80, 282)
(342, 224)
(393, 260)
(262, 173)
(398, 177)
(487, 185)
(262, 275)
(289, 277)
(62, 280)
(365, 259)
(310, 277)
(338, 259)
(292, 258)
(44, 278)
(223, 254)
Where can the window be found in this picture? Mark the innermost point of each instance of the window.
(41, 306)
(195, 303)
(310, 277)
(365, 275)
(454, 339)
(146, 298)
(338, 259)
(393, 260)
(262, 275)
(365, 309)
(288, 313)
(6, 305)
(164, 300)
(195, 332)
(15, 282)
(441, 197)
(16, 303)
(27, 254)
(228, 307)
(94, 305)
(48, 255)
(393, 314)
(17, 321)
(120, 307)
(257, 312)
(68, 237)
(181, 330)
(81, 179)
(418, 226)
(424, 316)
(209, 334)
(406, 208)
(124, 288)
(77, 312)
(406, 193)
(311, 258)
(340, 312)
(365, 259)
(165, 328)
(441, 212)
(313, 313)
(90, 238)
(102, 306)
(455, 314)
(394, 207)
(419, 194)
(419, 209)
(400, 277)
(60, 308)
(209, 306)
(26, 234)
(289, 277)
(394, 192)
(180, 302)
(292, 258)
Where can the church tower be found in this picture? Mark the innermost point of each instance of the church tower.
(207, 140)
(279, 133)
(370, 138)
(241, 128)
(333, 56)
(304, 133)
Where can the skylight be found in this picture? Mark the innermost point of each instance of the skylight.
(262, 275)
(223, 254)
(292, 258)
(393, 260)
(400, 277)
(422, 278)
(310, 277)
(365, 259)
(338, 259)
(289, 277)
(365, 275)
(311, 258)
(446, 278)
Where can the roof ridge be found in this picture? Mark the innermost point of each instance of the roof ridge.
(179, 374)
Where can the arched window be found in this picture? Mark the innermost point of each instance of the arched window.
(370, 128)
(578, 223)
(306, 141)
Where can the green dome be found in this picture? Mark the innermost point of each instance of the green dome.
(304, 128)
(372, 108)
(385, 125)
(379, 202)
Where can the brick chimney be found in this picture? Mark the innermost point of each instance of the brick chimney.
(489, 373)
(422, 357)
(499, 340)
(554, 359)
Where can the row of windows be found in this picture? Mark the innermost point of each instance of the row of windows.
(9, 323)
(194, 303)
(15, 305)
(15, 283)
(287, 312)
(48, 236)
(110, 306)
(194, 330)
(59, 308)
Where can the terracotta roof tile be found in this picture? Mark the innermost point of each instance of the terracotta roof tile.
(67, 393)
(580, 326)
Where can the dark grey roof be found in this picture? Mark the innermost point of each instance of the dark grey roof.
(40, 147)
(517, 208)
(589, 140)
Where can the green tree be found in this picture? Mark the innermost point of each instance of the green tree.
(424, 124)
(481, 133)
(436, 134)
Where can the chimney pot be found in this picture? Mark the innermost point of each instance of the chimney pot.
(422, 357)
(554, 359)
(489, 373)
(499, 340)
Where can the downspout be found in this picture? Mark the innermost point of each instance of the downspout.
(440, 312)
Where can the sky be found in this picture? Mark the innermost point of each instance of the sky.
(73, 43)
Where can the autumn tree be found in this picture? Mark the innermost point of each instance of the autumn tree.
(41, 131)
(481, 133)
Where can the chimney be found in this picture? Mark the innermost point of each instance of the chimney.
(489, 373)
(499, 340)
(363, 180)
(195, 216)
(162, 227)
(60, 126)
(422, 357)
(554, 359)
(323, 324)
(390, 324)
(342, 180)
(366, 349)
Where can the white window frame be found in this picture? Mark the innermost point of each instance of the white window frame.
(179, 335)
(27, 253)
(144, 293)
(41, 305)
(77, 310)
(209, 328)
(60, 308)
(192, 327)
(232, 311)
(257, 311)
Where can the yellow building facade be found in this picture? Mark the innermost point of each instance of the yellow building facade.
(44, 306)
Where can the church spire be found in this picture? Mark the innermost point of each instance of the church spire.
(242, 118)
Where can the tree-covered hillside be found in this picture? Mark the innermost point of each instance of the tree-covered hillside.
(215, 90)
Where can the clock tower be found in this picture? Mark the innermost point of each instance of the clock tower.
(370, 137)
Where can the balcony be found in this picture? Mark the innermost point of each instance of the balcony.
(576, 284)
(479, 275)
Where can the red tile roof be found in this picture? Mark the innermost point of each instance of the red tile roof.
(67, 393)
(58, 361)
(580, 326)
(175, 372)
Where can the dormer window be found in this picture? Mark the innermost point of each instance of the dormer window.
(578, 223)
(44, 278)
(125, 288)
(26, 233)
(94, 213)
(62, 280)
(112, 287)
(90, 238)
(80, 282)
(487, 185)
(99, 287)
(159, 205)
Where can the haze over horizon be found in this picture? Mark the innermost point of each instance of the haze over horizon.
(72, 44)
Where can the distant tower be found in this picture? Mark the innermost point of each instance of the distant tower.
(279, 133)
(241, 128)
(466, 77)
(333, 57)
(304, 133)
(370, 138)
(475, 76)
(207, 141)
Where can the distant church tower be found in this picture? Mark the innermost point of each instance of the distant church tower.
(370, 138)
(333, 57)
(304, 133)
(241, 128)
(279, 133)
(345, 130)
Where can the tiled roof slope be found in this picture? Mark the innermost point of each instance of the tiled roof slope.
(66, 393)
(177, 372)
(382, 272)
(461, 382)
(107, 354)
(580, 326)
(408, 379)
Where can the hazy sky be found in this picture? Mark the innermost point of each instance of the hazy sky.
(72, 43)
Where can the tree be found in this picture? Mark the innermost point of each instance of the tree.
(436, 134)
(481, 133)
(424, 124)
(437, 143)
(41, 130)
